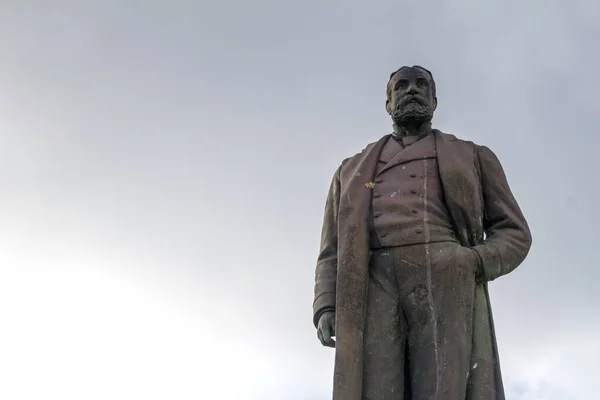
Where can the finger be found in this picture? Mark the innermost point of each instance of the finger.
(333, 328)
(320, 336)
(327, 336)
(329, 342)
(324, 336)
(326, 331)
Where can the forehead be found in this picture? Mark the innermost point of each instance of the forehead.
(409, 73)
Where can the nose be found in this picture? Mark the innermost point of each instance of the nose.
(412, 89)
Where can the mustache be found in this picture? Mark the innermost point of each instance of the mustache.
(410, 99)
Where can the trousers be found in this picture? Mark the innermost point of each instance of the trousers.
(419, 323)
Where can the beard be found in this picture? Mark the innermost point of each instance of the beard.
(412, 113)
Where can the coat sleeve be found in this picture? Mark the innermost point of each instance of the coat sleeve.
(508, 238)
(327, 261)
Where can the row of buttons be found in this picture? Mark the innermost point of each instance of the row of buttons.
(418, 231)
(378, 195)
(379, 213)
(379, 180)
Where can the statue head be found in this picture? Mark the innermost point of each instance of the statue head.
(411, 96)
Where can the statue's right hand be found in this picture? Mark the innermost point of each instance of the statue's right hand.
(326, 329)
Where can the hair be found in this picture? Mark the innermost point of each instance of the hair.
(427, 72)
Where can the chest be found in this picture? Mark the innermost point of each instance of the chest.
(398, 162)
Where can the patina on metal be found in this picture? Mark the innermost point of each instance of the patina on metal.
(415, 227)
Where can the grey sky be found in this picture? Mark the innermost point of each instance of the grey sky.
(165, 167)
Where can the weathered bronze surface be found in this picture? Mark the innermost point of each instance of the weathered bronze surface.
(415, 227)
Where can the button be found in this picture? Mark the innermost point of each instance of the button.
(378, 180)
(419, 231)
(413, 191)
(413, 175)
(376, 195)
(377, 214)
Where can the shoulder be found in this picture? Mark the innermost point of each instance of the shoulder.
(360, 155)
(477, 148)
(450, 137)
(485, 159)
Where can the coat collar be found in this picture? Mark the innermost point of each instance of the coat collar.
(423, 148)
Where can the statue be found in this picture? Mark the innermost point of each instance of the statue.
(415, 227)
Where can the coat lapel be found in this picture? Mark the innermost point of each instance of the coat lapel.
(353, 265)
(461, 185)
(460, 177)
(417, 151)
(356, 174)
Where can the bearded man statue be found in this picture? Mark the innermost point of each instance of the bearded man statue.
(415, 227)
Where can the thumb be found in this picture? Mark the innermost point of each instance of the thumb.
(326, 331)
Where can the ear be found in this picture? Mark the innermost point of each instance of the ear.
(434, 103)
(387, 106)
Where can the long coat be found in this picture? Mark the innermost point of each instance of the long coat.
(479, 201)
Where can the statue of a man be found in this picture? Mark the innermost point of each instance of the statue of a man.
(415, 227)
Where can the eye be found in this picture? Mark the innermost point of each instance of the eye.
(422, 83)
(401, 84)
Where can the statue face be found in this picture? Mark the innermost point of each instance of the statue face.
(411, 99)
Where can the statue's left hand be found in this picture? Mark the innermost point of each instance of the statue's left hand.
(468, 258)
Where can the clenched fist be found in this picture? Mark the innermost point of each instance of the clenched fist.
(326, 329)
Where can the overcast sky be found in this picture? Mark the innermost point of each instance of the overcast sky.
(164, 167)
